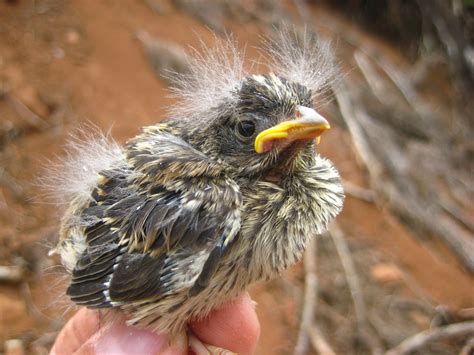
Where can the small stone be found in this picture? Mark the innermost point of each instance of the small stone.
(14, 347)
(58, 52)
(11, 273)
(72, 37)
(386, 273)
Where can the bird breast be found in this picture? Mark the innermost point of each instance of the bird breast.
(278, 220)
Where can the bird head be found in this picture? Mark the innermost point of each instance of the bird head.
(271, 125)
(256, 123)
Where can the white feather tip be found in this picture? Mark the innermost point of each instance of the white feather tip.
(215, 74)
(87, 152)
(302, 57)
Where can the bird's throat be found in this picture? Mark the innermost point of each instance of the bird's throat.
(287, 159)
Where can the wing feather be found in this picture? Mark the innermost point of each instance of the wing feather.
(179, 204)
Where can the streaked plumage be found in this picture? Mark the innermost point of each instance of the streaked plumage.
(192, 211)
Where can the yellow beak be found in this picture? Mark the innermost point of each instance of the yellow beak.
(308, 125)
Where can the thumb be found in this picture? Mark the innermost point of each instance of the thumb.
(86, 334)
(119, 338)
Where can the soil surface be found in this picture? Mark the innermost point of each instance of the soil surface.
(66, 63)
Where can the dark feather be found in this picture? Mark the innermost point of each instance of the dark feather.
(136, 277)
(131, 241)
(84, 290)
(99, 234)
(91, 269)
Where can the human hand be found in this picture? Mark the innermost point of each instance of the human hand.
(234, 327)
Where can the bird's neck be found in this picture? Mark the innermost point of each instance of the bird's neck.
(294, 159)
(279, 219)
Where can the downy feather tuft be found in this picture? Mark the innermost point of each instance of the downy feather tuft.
(215, 74)
(303, 57)
(208, 88)
(87, 152)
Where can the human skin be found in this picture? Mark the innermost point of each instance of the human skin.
(234, 327)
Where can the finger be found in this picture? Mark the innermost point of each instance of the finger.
(234, 327)
(118, 338)
(83, 325)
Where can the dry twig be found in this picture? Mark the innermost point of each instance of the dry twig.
(319, 343)
(350, 272)
(29, 116)
(404, 86)
(164, 57)
(355, 289)
(466, 313)
(395, 174)
(468, 348)
(421, 339)
(358, 192)
(310, 298)
(457, 214)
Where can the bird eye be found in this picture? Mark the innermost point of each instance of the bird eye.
(246, 128)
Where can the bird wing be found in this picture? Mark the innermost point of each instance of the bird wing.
(164, 222)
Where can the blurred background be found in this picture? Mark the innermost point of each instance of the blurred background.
(395, 272)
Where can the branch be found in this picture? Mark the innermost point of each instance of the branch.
(423, 338)
(457, 214)
(349, 113)
(310, 297)
(319, 343)
(388, 161)
(468, 348)
(24, 112)
(350, 272)
(358, 192)
(354, 286)
(164, 57)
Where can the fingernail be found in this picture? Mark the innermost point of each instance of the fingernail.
(176, 345)
(197, 347)
(252, 303)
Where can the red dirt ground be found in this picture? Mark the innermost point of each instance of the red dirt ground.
(79, 61)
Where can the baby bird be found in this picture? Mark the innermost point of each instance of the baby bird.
(226, 192)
